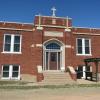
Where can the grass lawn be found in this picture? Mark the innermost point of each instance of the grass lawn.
(24, 85)
(14, 90)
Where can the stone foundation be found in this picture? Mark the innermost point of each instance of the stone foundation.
(28, 78)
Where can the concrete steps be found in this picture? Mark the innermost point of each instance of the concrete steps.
(56, 78)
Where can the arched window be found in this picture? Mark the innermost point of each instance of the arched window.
(53, 46)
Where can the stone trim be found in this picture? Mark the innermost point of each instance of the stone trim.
(39, 45)
(67, 30)
(54, 26)
(68, 46)
(93, 34)
(53, 33)
(15, 29)
(39, 28)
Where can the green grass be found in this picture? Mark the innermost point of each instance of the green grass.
(12, 83)
(23, 85)
(48, 86)
(89, 85)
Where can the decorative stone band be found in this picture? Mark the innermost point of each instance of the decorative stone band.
(38, 45)
(54, 26)
(39, 28)
(53, 33)
(68, 46)
(76, 33)
(67, 30)
(16, 29)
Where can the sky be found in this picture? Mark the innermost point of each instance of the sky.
(84, 13)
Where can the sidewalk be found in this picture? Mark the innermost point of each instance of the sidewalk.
(79, 81)
(83, 81)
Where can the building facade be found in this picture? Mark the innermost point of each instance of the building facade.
(49, 44)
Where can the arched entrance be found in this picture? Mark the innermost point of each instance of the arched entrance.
(53, 55)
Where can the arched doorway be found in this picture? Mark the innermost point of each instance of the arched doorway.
(53, 55)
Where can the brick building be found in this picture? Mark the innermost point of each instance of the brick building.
(50, 43)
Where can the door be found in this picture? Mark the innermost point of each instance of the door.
(52, 60)
(81, 72)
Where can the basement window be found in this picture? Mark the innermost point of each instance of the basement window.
(10, 72)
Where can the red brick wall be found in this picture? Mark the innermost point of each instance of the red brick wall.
(48, 21)
(95, 42)
(25, 59)
(31, 57)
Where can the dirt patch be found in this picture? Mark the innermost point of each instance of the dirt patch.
(51, 94)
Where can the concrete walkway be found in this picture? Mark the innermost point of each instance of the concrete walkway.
(83, 81)
(79, 81)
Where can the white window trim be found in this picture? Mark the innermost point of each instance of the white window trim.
(83, 47)
(11, 52)
(10, 73)
(12, 44)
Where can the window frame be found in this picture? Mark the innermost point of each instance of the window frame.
(53, 46)
(83, 47)
(5, 71)
(11, 72)
(12, 44)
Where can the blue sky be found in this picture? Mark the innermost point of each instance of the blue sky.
(84, 13)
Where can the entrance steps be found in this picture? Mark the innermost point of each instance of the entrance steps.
(56, 78)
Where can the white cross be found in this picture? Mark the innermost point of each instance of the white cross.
(53, 11)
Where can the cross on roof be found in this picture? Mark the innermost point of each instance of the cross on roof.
(53, 11)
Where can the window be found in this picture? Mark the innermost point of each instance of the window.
(12, 43)
(6, 71)
(7, 43)
(16, 43)
(83, 46)
(53, 46)
(10, 72)
(15, 71)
